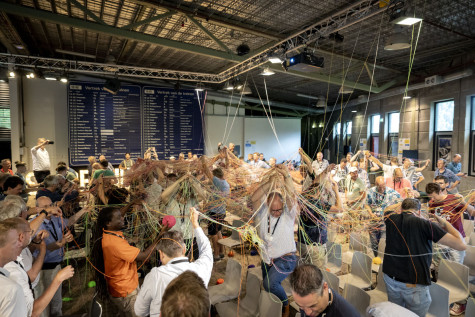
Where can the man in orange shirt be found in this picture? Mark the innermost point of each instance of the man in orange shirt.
(116, 258)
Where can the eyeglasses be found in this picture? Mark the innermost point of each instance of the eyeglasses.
(277, 210)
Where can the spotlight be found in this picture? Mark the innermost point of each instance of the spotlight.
(267, 72)
(354, 111)
(49, 77)
(243, 49)
(112, 86)
(199, 87)
(64, 79)
(11, 74)
(406, 20)
(30, 75)
(406, 97)
(275, 59)
(246, 90)
(228, 86)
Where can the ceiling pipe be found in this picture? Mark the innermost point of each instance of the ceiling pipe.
(400, 90)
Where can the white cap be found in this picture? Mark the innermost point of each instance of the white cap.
(353, 169)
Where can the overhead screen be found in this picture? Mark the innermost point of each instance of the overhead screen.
(136, 118)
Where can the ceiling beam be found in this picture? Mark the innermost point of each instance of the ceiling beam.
(88, 12)
(211, 16)
(209, 34)
(113, 31)
(9, 36)
(157, 17)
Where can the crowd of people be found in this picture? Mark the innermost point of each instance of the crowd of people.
(153, 215)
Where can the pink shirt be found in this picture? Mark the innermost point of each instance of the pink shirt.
(400, 186)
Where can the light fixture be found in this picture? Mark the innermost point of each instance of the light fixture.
(63, 79)
(275, 59)
(308, 96)
(314, 125)
(30, 75)
(199, 87)
(345, 90)
(406, 20)
(397, 41)
(112, 64)
(228, 86)
(48, 77)
(354, 111)
(11, 74)
(246, 90)
(267, 72)
(74, 53)
(320, 125)
(321, 103)
(406, 97)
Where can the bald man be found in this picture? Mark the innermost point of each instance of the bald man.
(379, 198)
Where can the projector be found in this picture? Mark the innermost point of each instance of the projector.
(304, 62)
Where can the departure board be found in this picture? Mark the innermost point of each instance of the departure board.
(133, 120)
(172, 121)
(103, 123)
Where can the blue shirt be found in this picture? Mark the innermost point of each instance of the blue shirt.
(454, 167)
(447, 173)
(55, 228)
(218, 205)
(379, 201)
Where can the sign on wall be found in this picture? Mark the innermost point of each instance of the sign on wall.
(133, 120)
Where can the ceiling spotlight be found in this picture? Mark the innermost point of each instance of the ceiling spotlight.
(267, 72)
(246, 90)
(406, 97)
(30, 75)
(275, 59)
(403, 13)
(49, 77)
(406, 20)
(199, 87)
(11, 74)
(345, 90)
(228, 86)
(354, 111)
(63, 79)
(397, 41)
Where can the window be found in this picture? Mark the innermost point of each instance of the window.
(347, 133)
(337, 131)
(374, 133)
(443, 127)
(472, 140)
(393, 133)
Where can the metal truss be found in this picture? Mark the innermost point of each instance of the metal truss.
(352, 14)
(63, 65)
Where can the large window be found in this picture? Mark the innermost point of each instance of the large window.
(347, 133)
(443, 128)
(337, 134)
(374, 133)
(393, 133)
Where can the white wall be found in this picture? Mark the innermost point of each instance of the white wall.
(216, 130)
(259, 134)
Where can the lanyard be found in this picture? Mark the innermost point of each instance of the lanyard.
(29, 282)
(54, 234)
(180, 261)
(268, 225)
(114, 234)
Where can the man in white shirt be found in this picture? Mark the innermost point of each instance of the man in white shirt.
(41, 162)
(174, 262)
(275, 218)
(12, 300)
(387, 169)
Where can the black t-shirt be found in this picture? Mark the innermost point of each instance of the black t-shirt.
(409, 236)
(313, 224)
(338, 308)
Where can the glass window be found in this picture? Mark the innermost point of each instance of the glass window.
(375, 123)
(337, 128)
(348, 127)
(393, 122)
(444, 116)
(5, 119)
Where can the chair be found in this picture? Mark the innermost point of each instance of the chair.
(356, 244)
(248, 306)
(468, 227)
(381, 249)
(269, 305)
(469, 259)
(357, 297)
(96, 308)
(333, 257)
(440, 301)
(297, 315)
(470, 309)
(454, 277)
(471, 241)
(234, 239)
(231, 286)
(360, 275)
(332, 280)
(379, 294)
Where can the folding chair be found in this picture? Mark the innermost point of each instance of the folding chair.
(334, 260)
(234, 239)
(469, 259)
(231, 286)
(96, 308)
(360, 275)
(357, 297)
(440, 301)
(454, 277)
(356, 244)
(332, 280)
(468, 227)
(248, 306)
(269, 305)
(379, 294)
